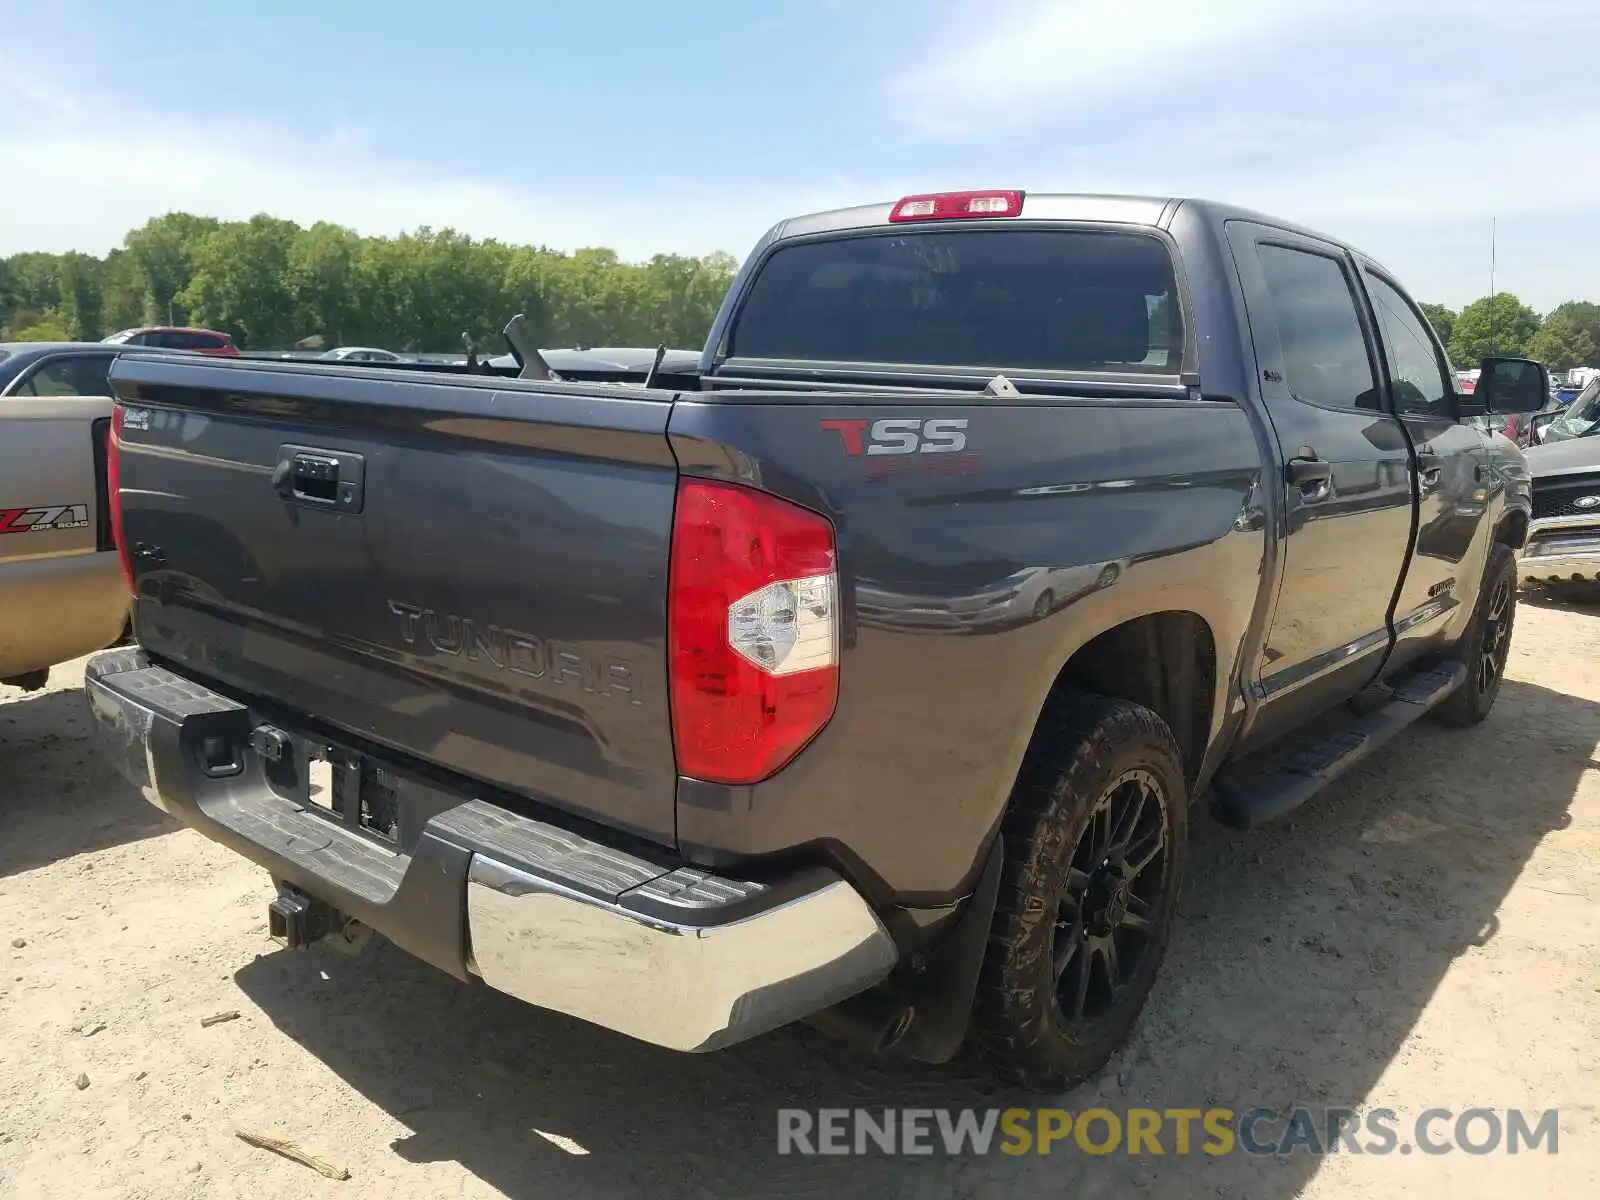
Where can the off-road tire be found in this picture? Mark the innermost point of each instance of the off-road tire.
(1488, 636)
(1085, 745)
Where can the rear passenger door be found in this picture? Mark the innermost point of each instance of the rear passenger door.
(1452, 496)
(1345, 468)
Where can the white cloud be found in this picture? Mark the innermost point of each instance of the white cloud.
(1156, 96)
(1414, 176)
(1325, 108)
(1506, 168)
(85, 191)
(1015, 61)
(80, 176)
(1018, 61)
(1402, 124)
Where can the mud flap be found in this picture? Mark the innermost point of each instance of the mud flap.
(942, 995)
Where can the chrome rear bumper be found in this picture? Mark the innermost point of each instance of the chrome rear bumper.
(680, 985)
(668, 954)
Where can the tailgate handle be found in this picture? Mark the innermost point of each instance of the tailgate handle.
(333, 479)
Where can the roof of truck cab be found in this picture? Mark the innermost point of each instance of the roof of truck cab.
(1107, 208)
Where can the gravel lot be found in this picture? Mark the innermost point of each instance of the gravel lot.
(1426, 934)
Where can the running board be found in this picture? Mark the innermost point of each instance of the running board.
(1248, 802)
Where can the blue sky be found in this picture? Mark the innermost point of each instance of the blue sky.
(691, 127)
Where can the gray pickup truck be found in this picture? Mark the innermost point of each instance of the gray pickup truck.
(865, 676)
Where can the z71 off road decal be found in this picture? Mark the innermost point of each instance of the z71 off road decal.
(45, 519)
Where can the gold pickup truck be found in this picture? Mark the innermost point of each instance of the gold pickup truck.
(63, 593)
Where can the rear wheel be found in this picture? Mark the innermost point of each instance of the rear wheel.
(1487, 643)
(1094, 841)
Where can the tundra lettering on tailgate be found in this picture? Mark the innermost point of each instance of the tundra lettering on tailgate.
(511, 650)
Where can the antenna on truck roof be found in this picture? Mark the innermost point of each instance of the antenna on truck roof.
(531, 362)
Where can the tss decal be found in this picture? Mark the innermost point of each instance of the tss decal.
(901, 435)
(44, 519)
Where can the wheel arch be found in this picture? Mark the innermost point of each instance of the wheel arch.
(1512, 529)
(1165, 661)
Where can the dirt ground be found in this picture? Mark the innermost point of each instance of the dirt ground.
(1426, 934)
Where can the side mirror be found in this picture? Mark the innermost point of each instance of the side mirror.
(1512, 385)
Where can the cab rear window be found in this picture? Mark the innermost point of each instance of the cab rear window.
(1051, 300)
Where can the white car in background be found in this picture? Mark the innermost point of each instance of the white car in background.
(369, 354)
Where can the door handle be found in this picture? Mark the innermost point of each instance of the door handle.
(1312, 476)
(1428, 467)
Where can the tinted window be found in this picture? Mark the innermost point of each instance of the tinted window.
(1047, 299)
(1324, 351)
(77, 376)
(1420, 382)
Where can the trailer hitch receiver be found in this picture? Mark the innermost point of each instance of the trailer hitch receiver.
(295, 920)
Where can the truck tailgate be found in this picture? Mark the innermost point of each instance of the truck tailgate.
(470, 573)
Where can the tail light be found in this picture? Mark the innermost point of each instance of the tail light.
(753, 630)
(114, 494)
(946, 206)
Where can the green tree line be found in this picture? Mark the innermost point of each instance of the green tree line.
(1565, 337)
(273, 284)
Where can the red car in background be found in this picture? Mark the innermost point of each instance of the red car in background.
(172, 337)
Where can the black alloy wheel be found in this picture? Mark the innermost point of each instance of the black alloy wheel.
(1105, 920)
